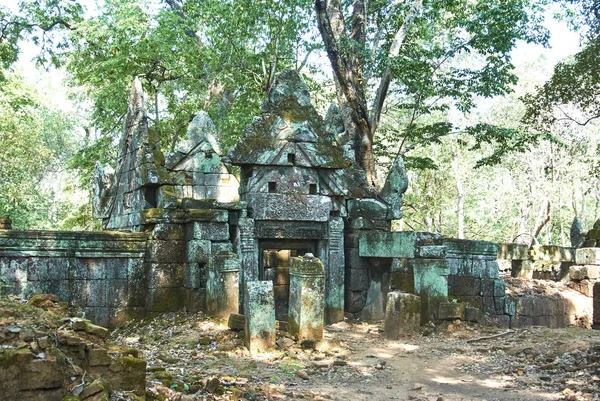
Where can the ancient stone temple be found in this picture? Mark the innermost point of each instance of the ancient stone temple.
(182, 231)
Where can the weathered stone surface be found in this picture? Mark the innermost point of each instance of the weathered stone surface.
(579, 272)
(307, 298)
(395, 186)
(367, 208)
(431, 284)
(335, 276)
(222, 285)
(259, 309)
(513, 251)
(451, 311)
(290, 207)
(292, 229)
(474, 315)
(586, 287)
(484, 249)
(388, 244)
(430, 251)
(596, 306)
(402, 314)
(213, 231)
(588, 256)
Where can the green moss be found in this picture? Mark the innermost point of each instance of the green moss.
(10, 356)
(134, 352)
(131, 363)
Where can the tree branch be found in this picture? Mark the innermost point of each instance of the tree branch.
(386, 78)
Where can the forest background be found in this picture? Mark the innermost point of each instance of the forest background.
(500, 143)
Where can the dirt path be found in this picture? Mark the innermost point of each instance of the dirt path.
(194, 358)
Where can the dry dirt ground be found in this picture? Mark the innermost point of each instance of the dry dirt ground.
(196, 358)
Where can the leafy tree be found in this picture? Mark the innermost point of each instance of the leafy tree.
(571, 96)
(44, 22)
(412, 53)
(36, 142)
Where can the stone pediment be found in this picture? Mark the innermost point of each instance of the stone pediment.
(289, 131)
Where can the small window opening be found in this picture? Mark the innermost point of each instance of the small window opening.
(312, 189)
(291, 158)
(250, 213)
(272, 187)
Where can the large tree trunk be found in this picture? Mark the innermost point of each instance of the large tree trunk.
(348, 68)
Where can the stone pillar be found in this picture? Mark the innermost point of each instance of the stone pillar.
(307, 298)
(596, 313)
(222, 285)
(259, 308)
(431, 284)
(334, 284)
(248, 251)
(402, 314)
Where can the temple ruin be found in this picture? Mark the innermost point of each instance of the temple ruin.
(181, 231)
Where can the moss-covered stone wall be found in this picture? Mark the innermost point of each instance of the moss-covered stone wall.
(101, 273)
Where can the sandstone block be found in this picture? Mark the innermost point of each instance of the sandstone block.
(587, 256)
(579, 272)
(451, 311)
(402, 314)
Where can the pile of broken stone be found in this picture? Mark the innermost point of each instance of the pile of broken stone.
(47, 355)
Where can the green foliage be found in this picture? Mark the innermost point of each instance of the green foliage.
(36, 141)
(457, 52)
(44, 22)
(571, 96)
(213, 55)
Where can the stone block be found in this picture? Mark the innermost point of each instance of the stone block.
(207, 215)
(367, 207)
(192, 275)
(167, 231)
(404, 282)
(357, 279)
(451, 311)
(222, 285)
(166, 251)
(78, 291)
(431, 284)
(198, 251)
(354, 261)
(464, 286)
(596, 306)
(431, 251)
(58, 269)
(471, 301)
(474, 315)
(587, 256)
(465, 267)
(402, 314)
(259, 309)
(165, 275)
(306, 315)
(220, 247)
(213, 231)
(354, 301)
(465, 248)
(399, 244)
(491, 269)
(273, 206)
(97, 293)
(512, 251)
(579, 272)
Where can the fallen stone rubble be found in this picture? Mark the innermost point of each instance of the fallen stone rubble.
(46, 355)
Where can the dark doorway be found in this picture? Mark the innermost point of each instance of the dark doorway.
(274, 265)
